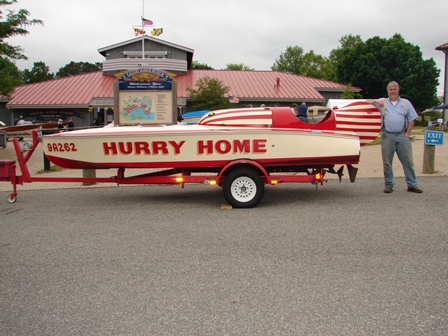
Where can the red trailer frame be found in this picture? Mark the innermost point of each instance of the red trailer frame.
(242, 180)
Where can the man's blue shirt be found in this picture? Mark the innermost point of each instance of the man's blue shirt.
(395, 119)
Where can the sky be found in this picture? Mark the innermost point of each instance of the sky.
(221, 32)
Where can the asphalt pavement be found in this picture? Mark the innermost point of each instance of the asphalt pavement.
(345, 259)
(342, 259)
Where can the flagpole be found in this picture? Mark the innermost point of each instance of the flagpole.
(143, 27)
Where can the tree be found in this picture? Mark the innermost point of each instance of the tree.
(316, 66)
(348, 42)
(77, 68)
(371, 65)
(197, 65)
(39, 73)
(10, 76)
(293, 60)
(241, 66)
(209, 94)
(290, 61)
(12, 26)
(349, 93)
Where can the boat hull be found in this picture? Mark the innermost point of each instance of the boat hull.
(20, 129)
(198, 147)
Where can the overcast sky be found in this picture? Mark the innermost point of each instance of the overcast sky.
(253, 32)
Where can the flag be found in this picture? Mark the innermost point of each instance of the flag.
(157, 31)
(139, 31)
(146, 22)
(233, 100)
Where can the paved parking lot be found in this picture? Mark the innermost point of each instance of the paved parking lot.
(346, 259)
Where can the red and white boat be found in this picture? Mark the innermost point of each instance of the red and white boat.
(271, 136)
(238, 149)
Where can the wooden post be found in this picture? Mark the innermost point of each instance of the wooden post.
(429, 155)
(88, 173)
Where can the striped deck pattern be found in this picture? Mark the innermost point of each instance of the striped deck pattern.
(359, 117)
(240, 117)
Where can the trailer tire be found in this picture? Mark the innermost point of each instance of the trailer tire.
(243, 188)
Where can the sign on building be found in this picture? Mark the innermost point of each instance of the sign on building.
(145, 96)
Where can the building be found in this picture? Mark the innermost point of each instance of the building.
(87, 96)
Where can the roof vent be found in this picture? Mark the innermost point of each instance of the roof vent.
(277, 84)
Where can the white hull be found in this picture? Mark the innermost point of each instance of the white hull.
(198, 146)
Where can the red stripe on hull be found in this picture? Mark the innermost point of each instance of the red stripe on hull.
(207, 165)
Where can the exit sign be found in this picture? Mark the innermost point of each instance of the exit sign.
(433, 138)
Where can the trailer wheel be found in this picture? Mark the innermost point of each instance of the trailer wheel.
(12, 198)
(243, 188)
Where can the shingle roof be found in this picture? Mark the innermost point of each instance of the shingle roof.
(79, 91)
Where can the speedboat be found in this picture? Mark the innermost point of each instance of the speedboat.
(272, 136)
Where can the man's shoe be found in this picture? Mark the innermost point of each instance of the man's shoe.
(415, 190)
(388, 189)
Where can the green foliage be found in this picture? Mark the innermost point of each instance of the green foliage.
(39, 73)
(10, 76)
(290, 61)
(350, 93)
(371, 65)
(348, 42)
(209, 94)
(12, 25)
(241, 66)
(316, 66)
(77, 68)
(203, 66)
(293, 60)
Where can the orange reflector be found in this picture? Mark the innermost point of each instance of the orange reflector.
(273, 182)
(212, 182)
(318, 176)
(179, 179)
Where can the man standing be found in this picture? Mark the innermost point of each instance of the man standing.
(70, 124)
(302, 113)
(398, 119)
(21, 121)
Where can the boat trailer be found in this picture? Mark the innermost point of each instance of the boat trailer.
(242, 180)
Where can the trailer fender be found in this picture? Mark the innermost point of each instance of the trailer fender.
(242, 162)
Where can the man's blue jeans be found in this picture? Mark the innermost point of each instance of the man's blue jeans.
(402, 145)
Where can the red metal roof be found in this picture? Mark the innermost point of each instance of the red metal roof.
(442, 47)
(73, 91)
(260, 84)
(78, 91)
